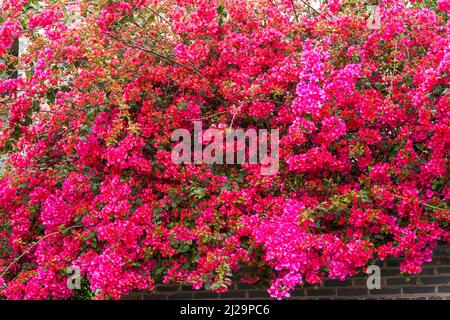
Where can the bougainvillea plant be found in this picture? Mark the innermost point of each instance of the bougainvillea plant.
(363, 114)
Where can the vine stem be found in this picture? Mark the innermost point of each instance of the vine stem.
(33, 245)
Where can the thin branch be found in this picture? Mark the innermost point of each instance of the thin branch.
(206, 117)
(167, 22)
(295, 10)
(33, 245)
(155, 54)
(422, 203)
(311, 7)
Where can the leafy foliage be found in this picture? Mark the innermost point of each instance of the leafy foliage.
(365, 137)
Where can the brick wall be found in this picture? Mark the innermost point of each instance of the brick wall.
(432, 284)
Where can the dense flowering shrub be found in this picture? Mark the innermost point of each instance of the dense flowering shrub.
(89, 182)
